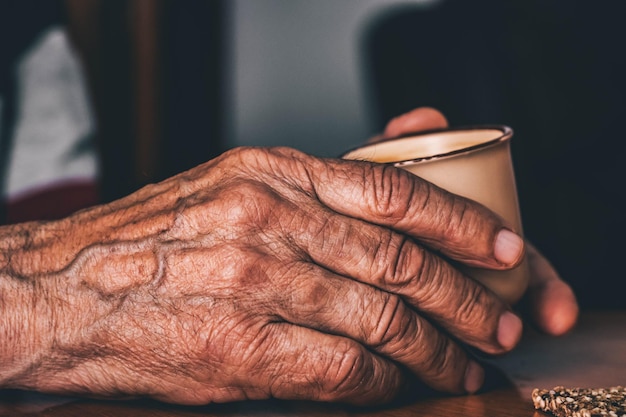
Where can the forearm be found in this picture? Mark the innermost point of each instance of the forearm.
(44, 313)
(64, 290)
(26, 319)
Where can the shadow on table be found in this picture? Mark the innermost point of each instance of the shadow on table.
(415, 398)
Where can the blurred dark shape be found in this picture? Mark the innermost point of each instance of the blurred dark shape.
(194, 41)
(156, 74)
(555, 71)
(20, 26)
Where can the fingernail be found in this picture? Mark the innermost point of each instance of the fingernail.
(474, 377)
(509, 330)
(509, 247)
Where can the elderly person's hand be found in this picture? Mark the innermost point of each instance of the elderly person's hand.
(262, 273)
(550, 301)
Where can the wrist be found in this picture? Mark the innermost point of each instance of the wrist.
(38, 314)
(62, 285)
(25, 316)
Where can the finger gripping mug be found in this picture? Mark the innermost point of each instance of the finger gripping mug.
(474, 162)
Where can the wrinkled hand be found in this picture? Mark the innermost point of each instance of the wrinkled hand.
(551, 302)
(263, 273)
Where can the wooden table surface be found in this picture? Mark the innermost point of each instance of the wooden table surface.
(593, 355)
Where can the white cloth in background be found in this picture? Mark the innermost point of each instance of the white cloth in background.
(52, 141)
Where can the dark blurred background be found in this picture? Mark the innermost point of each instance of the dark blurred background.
(156, 69)
(175, 83)
(554, 70)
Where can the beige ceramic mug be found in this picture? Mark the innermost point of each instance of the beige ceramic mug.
(474, 162)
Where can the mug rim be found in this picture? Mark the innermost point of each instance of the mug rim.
(506, 134)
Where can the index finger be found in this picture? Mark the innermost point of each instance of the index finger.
(457, 227)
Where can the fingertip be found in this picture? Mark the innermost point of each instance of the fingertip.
(421, 118)
(474, 377)
(556, 309)
(562, 322)
(510, 329)
(508, 247)
(435, 117)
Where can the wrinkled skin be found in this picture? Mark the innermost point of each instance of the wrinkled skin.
(551, 303)
(263, 273)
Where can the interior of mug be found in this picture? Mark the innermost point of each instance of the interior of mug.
(430, 145)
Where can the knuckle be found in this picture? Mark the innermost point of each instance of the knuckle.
(471, 308)
(392, 326)
(476, 316)
(246, 155)
(311, 297)
(439, 359)
(286, 166)
(339, 372)
(331, 234)
(459, 220)
(409, 269)
(264, 161)
(400, 260)
(249, 203)
(442, 363)
(245, 203)
(451, 297)
(468, 227)
(287, 152)
(346, 372)
(392, 192)
(432, 282)
(433, 356)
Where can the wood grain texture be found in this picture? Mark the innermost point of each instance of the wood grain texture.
(593, 355)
